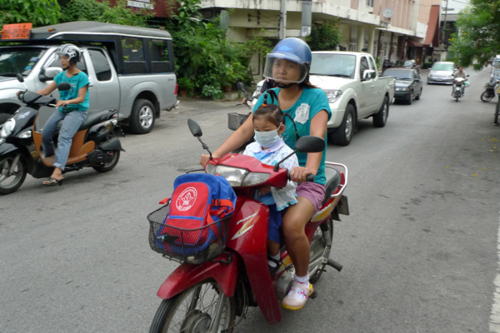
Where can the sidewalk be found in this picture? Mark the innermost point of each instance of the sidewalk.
(193, 103)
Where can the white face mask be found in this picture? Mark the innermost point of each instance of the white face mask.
(267, 139)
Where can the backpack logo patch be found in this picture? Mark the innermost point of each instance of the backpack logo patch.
(187, 199)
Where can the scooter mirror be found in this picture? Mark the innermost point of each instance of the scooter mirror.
(20, 77)
(63, 86)
(240, 86)
(194, 128)
(310, 144)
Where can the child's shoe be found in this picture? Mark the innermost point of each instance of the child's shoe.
(297, 296)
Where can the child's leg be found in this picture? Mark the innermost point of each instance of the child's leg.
(273, 248)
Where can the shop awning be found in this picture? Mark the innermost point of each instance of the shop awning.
(432, 36)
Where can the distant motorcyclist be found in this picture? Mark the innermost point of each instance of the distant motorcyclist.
(460, 73)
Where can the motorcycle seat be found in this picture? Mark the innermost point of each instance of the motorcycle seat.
(332, 182)
(92, 119)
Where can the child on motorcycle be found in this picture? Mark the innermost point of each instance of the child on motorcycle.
(269, 148)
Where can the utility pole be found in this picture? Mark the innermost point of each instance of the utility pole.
(444, 27)
(306, 18)
(282, 34)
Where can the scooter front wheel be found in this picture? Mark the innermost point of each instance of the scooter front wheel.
(486, 97)
(200, 308)
(12, 173)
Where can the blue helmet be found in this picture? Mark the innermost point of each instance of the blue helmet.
(291, 49)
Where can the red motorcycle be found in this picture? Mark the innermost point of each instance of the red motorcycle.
(207, 297)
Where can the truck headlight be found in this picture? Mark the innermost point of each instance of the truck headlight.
(7, 128)
(333, 95)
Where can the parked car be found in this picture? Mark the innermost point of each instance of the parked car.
(408, 85)
(130, 69)
(412, 64)
(441, 72)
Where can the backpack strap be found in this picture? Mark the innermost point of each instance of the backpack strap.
(224, 206)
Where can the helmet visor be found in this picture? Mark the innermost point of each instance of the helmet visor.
(281, 69)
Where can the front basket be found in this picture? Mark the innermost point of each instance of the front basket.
(181, 244)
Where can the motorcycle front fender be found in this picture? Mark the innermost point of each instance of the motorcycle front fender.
(6, 148)
(188, 275)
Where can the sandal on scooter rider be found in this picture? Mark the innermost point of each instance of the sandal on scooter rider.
(297, 296)
(53, 181)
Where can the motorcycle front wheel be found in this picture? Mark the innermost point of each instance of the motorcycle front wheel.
(486, 97)
(196, 310)
(11, 181)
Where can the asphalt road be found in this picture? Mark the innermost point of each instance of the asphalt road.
(419, 249)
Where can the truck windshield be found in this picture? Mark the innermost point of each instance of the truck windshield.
(342, 65)
(15, 60)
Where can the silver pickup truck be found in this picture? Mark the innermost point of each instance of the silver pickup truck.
(354, 89)
(130, 69)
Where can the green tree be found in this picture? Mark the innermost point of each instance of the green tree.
(92, 10)
(204, 55)
(324, 36)
(478, 37)
(38, 12)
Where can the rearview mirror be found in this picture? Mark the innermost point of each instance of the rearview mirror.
(367, 74)
(51, 72)
(310, 144)
(19, 77)
(194, 128)
(64, 86)
(240, 86)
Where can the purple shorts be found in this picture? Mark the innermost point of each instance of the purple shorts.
(313, 192)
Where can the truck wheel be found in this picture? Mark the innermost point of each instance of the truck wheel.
(142, 117)
(342, 135)
(380, 119)
(4, 117)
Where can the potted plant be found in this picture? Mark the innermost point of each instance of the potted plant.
(185, 86)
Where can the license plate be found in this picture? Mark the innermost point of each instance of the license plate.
(439, 79)
(343, 206)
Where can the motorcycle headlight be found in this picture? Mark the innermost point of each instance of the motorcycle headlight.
(25, 135)
(237, 177)
(333, 95)
(7, 128)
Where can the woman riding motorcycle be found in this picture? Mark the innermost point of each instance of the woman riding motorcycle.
(460, 73)
(288, 65)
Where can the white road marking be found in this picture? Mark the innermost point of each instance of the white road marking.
(495, 308)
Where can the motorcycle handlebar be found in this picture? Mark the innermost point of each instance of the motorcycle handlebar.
(309, 178)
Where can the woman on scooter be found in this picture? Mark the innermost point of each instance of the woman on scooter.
(288, 64)
(269, 148)
(71, 108)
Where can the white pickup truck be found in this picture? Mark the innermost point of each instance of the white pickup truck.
(354, 89)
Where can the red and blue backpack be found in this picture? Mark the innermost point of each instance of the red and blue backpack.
(199, 204)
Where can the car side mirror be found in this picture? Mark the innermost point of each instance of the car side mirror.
(20, 77)
(367, 74)
(49, 73)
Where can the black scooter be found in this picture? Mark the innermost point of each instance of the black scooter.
(489, 92)
(94, 145)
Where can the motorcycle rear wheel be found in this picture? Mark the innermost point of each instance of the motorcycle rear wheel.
(486, 97)
(194, 309)
(320, 251)
(105, 167)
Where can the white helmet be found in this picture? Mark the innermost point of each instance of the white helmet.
(70, 50)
